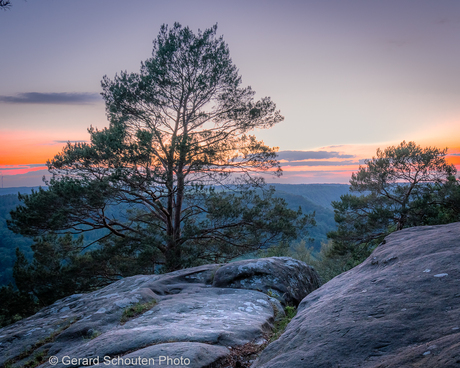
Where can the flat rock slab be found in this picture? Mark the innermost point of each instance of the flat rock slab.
(191, 319)
(400, 308)
(177, 354)
(224, 317)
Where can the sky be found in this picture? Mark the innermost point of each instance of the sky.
(349, 76)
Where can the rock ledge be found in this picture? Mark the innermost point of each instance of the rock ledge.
(400, 308)
(200, 315)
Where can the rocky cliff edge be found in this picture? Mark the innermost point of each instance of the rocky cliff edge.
(400, 308)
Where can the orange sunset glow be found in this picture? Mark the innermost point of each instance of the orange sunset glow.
(23, 153)
(22, 150)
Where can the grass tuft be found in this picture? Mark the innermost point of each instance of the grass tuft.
(136, 310)
(281, 324)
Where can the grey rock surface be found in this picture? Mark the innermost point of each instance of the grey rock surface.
(182, 354)
(286, 279)
(191, 319)
(400, 308)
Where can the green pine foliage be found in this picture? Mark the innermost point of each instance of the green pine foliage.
(177, 162)
(403, 186)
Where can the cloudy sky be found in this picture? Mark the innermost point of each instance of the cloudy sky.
(348, 75)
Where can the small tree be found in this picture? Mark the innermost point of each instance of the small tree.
(174, 169)
(402, 186)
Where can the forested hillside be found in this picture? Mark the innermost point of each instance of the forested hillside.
(9, 241)
(16, 190)
(324, 217)
(320, 194)
(310, 197)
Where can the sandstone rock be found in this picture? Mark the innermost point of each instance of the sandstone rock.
(394, 310)
(192, 319)
(284, 278)
(192, 355)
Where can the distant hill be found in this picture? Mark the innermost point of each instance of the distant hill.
(321, 194)
(324, 216)
(16, 190)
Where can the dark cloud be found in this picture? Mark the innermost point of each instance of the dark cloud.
(308, 155)
(61, 98)
(319, 163)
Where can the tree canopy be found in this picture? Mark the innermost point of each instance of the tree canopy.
(403, 186)
(174, 171)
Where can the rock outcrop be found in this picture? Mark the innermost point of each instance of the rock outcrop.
(284, 278)
(198, 315)
(400, 308)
